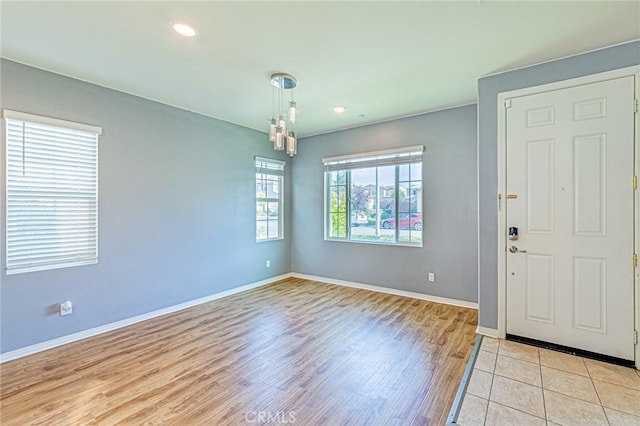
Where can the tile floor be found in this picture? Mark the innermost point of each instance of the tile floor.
(516, 384)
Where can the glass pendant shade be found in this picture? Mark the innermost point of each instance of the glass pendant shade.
(292, 143)
(293, 112)
(272, 130)
(283, 124)
(278, 144)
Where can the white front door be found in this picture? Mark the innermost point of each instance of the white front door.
(570, 163)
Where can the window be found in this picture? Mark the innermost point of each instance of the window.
(52, 193)
(375, 197)
(269, 189)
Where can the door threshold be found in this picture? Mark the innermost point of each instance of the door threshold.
(572, 351)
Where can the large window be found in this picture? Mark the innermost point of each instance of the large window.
(52, 193)
(269, 190)
(375, 197)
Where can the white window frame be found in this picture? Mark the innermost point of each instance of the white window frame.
(276, 168)
(33, 240)
(388, 157)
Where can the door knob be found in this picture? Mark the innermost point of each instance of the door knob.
(514, 249)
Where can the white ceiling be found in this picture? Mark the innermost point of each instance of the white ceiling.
(382, 59)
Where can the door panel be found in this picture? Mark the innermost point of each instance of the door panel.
(540, 276)
(589, 185)
(570, 165)
(540, 186)
(589, 109)
(590, 281)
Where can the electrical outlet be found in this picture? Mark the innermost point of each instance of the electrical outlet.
(432, 277)
(66, 308)
(267, 263)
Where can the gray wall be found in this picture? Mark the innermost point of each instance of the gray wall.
(176, 211)
(488, 89)
(450, 208)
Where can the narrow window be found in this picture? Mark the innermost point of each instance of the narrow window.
(269, 199)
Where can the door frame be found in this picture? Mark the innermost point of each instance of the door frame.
(502, 186)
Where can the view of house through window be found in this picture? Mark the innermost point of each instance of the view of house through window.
(376, 197)
(269, 190)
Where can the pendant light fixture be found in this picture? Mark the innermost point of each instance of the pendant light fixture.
(282, 137)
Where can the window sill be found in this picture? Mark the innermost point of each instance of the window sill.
(375, 243)
(268, 240)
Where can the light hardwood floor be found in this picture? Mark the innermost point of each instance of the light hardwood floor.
(296, 351)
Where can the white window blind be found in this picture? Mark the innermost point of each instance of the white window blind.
(52, 193)
(268, 166)
(388, 157)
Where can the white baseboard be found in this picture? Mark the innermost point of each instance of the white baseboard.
(387, 290)
(49, 344)
(489, 332)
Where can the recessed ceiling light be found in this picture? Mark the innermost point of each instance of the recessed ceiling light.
(339, 109)
(184, 29)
